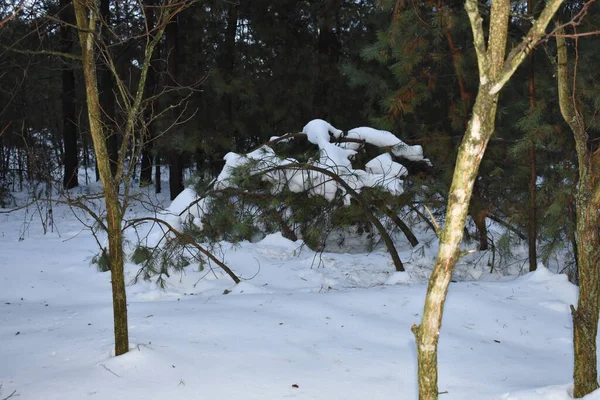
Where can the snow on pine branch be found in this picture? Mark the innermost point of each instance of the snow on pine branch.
(380, 172)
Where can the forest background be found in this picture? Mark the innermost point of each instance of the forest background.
(234, 74)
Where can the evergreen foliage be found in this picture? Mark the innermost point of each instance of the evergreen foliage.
(101, 261)
(249, 206)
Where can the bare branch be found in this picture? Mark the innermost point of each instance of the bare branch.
(478, 36)
(42, 53)
(535, 34)
(16, 11)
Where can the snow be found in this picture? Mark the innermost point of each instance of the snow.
(301, 325)
(318, 131)
(337, 158)
(382, 138)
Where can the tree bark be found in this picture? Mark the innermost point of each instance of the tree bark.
(70, 178)
(86, 15)
(494, 72)
(587, 200)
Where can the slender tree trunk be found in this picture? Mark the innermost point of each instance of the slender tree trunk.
(174, 157)
(470, 153)
(479, 215)
(494, 72)
(587, 201)
(175, 173)
(86, 15)
(146, 168)
(68, 102)
(107, 96)
(157, 174)
(148, 136)
(532, 220)
(532, 187)
(227, 59)
(328, 49)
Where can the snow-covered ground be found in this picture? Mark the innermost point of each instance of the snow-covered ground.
(301, 325)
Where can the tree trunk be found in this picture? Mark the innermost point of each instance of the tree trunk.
(587, 201)
(148, 136)
(479, 214)
(227, 60)
(107, 97)
(532, 187)
(173, 157)
(157, 174)
(328, 50)
(68, 102)
(532, 220)
(175, 174)
(146, 168)
(479, 131)
(86, 16)
(494, 72)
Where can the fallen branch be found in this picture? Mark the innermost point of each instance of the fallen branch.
(356, 196)
(187, 239)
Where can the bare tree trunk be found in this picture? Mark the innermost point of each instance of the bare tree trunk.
(532, 187)
(587, 200)
(146, 168)
(147, 138)
(532, 220)
(68, 102)
(157, 174)
(174, 157)
(107, 96)
(86, 15)
(328, 49)
(470, 153)
(494, 72)
(479, 215)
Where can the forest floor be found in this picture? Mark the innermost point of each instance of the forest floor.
(301, 325)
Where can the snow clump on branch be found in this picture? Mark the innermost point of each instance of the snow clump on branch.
(335, 156)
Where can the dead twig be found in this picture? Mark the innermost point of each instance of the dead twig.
(13, 392)
(109, 370)
(16, 11)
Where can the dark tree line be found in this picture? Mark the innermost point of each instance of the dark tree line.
(265, 68)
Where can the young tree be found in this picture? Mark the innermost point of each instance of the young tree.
(68, 100)
(495, 69)
(532, 185)
(88, 22)
(174, 156)
(587, 200)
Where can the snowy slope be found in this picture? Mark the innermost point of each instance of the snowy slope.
(303, 326)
